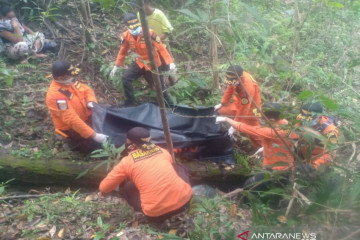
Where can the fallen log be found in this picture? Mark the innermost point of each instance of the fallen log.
(58, 171)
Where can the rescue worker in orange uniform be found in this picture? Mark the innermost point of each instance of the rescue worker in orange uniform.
(70, 102)
(316, 153)
(274, 150)
(133, 39)
(241, 108)
(154, 187)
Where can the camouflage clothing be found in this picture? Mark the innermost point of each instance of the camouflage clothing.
(20, 49)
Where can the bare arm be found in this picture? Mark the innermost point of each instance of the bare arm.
(163, 36)
(12, 37)
(27, 29)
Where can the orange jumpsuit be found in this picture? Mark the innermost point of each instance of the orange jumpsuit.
(139, 46)
(275, 151)
(242, 105)
(320, 155)
(161, 189)
(68, 107)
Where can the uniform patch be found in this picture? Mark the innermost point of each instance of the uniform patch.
(256, 113)
(287, 132)
(62, 104)
(244, 101)
(141, 154)
(77, 84)
(67, 93)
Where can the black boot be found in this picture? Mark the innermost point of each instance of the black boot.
(127, 103)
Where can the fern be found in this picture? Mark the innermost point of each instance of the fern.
(27, 65)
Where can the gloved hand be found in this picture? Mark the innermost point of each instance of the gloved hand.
(231, 133)
(217, 107)
(113, 71)
(173, 67)
(220, 119)
(90, 105)
(258, 154)
(100, 138)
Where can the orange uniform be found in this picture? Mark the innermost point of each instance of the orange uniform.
(139, 46)
(320, 155)
(241, 105)
(274, 149)
(161, 189)
(67, 105)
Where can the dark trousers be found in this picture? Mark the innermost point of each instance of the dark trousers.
(133, 73)
(77, 143)
(132, 196)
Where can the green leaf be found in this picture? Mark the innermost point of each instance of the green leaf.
(99, 236)
(100, 164)
(99, 222)
(305, 95)
(354, 193)
(327, 102)
(106, 4)
(82, 174)
(256, 15)
(188, 13)
(335, 4)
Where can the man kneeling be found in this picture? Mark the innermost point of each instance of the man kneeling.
(154, 187)
(70, 102)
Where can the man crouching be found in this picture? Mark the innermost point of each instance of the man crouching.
(154, 187)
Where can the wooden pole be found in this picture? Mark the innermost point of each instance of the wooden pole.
(155, 75)
(214, 48)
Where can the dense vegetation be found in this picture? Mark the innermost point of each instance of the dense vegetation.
(298, 50)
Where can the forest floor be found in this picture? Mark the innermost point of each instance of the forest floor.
(74, 215)
(27, 132)
(61, 213)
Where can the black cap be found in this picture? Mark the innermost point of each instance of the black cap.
(139, 136)
(234, 71)
(5, 10)
(131, 21)
(272, 110)
(232, 74)
(313, 107)
(62, 68)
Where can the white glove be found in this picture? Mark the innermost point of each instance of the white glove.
(217, 107)
(90, 105)
(258, 153)
(172, 67)
(231, 133)
(113, 71)
(220, 119)
(100, 138)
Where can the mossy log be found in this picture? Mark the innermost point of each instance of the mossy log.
(57, 171)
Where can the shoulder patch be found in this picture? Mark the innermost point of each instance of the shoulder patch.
(67, 93)
(77, 84)
(62, 104)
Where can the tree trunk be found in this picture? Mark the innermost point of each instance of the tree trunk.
(57, 171)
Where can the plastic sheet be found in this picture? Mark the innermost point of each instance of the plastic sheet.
(193, 131)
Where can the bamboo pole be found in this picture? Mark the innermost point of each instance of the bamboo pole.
(156, 78)
(214, 47)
